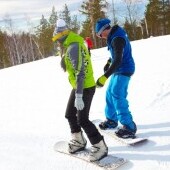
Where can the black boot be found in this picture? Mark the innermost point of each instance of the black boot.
(108, 124)
(126, 132)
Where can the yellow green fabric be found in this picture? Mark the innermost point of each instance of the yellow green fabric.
(83, 58)
(101, 81)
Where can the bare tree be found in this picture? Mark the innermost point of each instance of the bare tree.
(132, 14)
(30, 28)
(13, 43)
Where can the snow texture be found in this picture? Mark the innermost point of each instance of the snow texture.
(34, 97)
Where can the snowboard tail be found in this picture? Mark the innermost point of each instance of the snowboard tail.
(107, 163)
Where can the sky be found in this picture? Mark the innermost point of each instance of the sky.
(27, 14)
(34, 97)
(23, 12)
(20, 7)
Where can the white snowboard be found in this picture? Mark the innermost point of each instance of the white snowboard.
(107, 163)
(111, 133)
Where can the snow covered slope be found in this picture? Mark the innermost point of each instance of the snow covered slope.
(34, 97)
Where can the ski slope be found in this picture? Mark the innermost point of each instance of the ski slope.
(34, 97)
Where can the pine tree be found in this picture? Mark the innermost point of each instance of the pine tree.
(75, 24)
(158, 17)
(44, 34)
(94, 10)
(53, 17)
(65, 15)
(4, 59)
(72, 22)
(165, 16)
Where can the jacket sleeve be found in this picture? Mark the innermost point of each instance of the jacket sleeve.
(118, 47)
(78, 65)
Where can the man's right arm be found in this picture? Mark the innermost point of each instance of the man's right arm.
(118, 47)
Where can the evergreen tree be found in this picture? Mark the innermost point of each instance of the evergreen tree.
(165, 16)
(94, 10)
(65, 15)
(75, 24)
(86, 31)
(44, 34)
(53, 17)
(52, 20)
(43, 22)
(4, 59)
(129, 29)
(158, 17)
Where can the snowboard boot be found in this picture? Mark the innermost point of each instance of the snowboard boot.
(108, 124)
(77, 143)
(98, 151)
(126, 132)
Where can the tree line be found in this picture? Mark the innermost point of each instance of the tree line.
(23, 47)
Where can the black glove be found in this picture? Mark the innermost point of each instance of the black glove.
(106, 67)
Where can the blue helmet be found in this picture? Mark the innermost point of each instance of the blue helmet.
(101, 25)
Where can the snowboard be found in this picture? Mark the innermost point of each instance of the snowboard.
(111, 133)
(107, 163)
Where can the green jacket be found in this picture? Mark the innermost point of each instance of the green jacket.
(78, 63)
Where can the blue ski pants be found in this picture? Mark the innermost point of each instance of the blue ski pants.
(117, 107)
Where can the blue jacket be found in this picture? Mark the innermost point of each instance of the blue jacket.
(127, 65)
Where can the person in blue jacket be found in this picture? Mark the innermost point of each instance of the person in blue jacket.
(120, 67)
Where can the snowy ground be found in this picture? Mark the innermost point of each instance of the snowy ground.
(33, 100)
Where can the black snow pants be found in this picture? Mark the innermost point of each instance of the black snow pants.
(80, 119)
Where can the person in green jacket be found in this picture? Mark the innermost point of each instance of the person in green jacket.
(76, 61)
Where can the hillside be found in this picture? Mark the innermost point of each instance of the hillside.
(34, 97)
